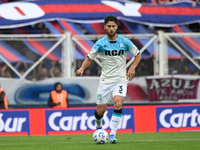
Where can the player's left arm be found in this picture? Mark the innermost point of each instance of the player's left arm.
(131, 72)
(135, 52)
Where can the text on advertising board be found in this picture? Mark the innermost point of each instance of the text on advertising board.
(178, 117)
(73, 120)
(14, 121)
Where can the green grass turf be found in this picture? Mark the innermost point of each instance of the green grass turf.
(127, 141)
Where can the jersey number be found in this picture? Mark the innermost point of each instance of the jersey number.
(120, 89)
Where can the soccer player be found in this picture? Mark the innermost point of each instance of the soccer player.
(113, 50)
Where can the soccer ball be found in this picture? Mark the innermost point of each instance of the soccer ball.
(100, 136)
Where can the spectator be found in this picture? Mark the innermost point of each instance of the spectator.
(173, 70)
(32, 76)
(87, 72)
(43, 74)
(182, 63)
(142, 69)
(1, 69)
(58, 97)
(6, 72)
(194, 69)
(3, 100)
(186, 70)
(21, 67)
(55, 70)
(43, 71)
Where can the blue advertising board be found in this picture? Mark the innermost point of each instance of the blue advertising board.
(184, 117)
(84, 120)
(14, 121)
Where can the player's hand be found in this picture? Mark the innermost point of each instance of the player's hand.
(130, 74)
(79, 72)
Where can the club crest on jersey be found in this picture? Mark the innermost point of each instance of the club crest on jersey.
(114, 52)
(105, 46)
(121, 44)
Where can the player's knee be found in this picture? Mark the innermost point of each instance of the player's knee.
(118, 100)
(100, 112)
(118, 105)
(101, 109)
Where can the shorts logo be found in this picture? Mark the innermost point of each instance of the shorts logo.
(99, 97)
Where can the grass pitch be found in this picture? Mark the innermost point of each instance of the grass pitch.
(127, 141)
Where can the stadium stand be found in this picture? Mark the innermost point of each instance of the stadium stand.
(39, 47)
(138, 29)
(189, 45)
(11, 54)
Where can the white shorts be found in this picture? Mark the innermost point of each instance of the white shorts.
(106, 92)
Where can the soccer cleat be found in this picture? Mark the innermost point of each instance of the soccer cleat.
(113, 140)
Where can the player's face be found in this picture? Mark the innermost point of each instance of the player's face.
(111, 28)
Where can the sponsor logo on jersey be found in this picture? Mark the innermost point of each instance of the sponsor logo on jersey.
(114, 52)
(83, 119)
(14, 121)
(185, 117)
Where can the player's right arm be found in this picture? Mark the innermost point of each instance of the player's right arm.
(92, 54)
(84, 65)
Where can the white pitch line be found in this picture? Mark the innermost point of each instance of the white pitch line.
(150, 140)
(158, 140)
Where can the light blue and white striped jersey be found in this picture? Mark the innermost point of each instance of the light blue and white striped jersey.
(113, 57)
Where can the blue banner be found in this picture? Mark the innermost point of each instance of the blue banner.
(17, 14)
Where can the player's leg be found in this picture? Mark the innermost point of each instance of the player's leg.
(103, 96)
(117, 114)
(116, 118)
(99, 115)
(119, 94)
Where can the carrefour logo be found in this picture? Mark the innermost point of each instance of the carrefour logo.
(73, 120)
(14, 121)
(178, 117)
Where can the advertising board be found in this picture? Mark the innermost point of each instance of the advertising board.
(135, 119)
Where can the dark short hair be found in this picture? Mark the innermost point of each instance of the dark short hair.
(56, 84)
(111, 18)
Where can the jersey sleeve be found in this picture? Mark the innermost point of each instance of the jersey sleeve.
(132, 48)
(94, 51)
